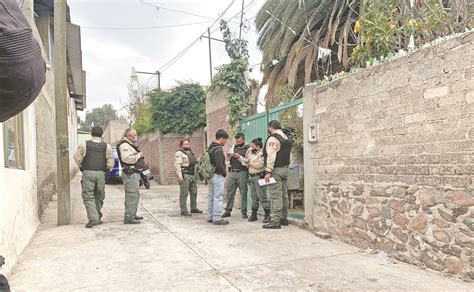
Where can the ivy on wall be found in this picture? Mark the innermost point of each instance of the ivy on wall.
(232, 76)
(180, 110)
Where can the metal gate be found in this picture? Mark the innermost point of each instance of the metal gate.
(256, 126)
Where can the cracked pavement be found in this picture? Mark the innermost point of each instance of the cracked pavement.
(170, 252)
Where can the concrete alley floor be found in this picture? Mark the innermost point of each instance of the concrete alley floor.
(170, 252)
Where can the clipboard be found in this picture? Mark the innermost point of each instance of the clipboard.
(262, 182)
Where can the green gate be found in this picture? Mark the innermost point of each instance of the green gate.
(256, 126)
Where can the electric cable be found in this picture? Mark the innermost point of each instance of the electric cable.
(144, 27)
(180, 54)
(177, 11)
(186, 49)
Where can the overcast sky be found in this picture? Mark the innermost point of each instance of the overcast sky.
(109, 54)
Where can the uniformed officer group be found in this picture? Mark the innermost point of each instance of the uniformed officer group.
(247, 165)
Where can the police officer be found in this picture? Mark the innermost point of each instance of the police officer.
(131, 159)
(93, 158)
(277, 152)
(256, 164)
(184, 164)
(238, 176)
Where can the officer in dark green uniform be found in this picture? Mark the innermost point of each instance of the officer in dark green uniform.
(238, 176)
(131, 159)
(94, 157)
(277, 152)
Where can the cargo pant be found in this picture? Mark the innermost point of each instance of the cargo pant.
(93, 193)
(240, 180)
(279, 194)
(258, 193)
(131, 183)
(189, 185)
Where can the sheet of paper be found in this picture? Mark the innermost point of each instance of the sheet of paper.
(263, 183)
(231, 150)
(243, 160)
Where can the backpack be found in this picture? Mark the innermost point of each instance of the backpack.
(204, 169)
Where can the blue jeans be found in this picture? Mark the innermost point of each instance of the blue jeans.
(215, 197)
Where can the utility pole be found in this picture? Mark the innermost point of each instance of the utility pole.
(214, 39)
(210, 55)
(61, 104)
(158, 74)
(241, 20)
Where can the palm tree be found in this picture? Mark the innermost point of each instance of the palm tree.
(291, 32)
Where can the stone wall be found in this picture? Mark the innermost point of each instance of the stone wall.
(160, 150)
(392, 169)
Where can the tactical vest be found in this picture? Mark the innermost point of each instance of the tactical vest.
(235, 163)
(96, 158)
(140, 162)
(192, 163)
(283, 155)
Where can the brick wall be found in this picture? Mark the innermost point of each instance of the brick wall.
(160, 149)
(45, 150)
(393, 166)
(217, 109)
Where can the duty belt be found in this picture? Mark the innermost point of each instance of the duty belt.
(185, 170)
(256, 174)
(236, 170)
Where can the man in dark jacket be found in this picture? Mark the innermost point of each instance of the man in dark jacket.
(216, 185)
(22, 68)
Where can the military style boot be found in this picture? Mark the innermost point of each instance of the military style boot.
(284, 222)
(272, 225)
(267, 216)
(253, 217)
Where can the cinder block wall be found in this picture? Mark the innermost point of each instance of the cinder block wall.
(393, 168)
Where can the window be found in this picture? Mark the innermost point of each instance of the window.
(13, 142)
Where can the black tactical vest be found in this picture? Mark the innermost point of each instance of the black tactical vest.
(235, 163)
(283, 155)
(192, 163)
(140, 162)
(96, 158)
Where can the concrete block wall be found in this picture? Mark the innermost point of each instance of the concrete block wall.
(393, 166)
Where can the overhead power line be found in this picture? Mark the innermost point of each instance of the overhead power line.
(185, 50)
(158, 7)
(144, 27)
(180, 54)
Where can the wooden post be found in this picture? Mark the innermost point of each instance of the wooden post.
(61, 102)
